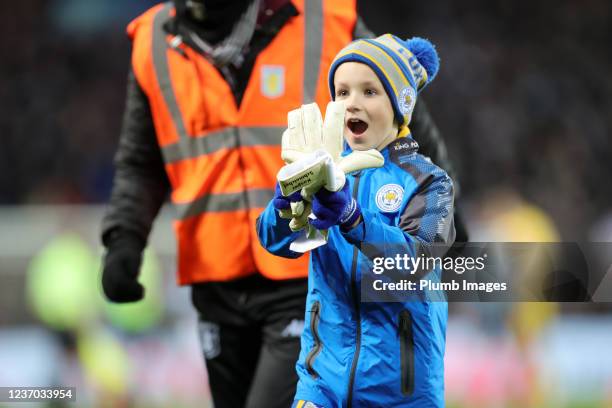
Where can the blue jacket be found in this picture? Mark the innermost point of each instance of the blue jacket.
(374, 354)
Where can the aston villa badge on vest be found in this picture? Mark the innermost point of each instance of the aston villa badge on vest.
(273, 81)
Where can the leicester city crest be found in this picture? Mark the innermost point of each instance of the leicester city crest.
(389, 197)
(273, 81)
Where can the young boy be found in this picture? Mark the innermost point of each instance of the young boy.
(374, 354)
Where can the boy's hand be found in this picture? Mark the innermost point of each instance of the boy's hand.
(335, 208)
(292, 207)
(306, 134)
(303, 134)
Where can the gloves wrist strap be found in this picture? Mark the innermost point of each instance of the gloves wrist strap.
(350, 215)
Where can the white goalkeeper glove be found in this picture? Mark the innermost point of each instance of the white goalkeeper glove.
(312, 150)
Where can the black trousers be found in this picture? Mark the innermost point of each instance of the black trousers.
(250, 332)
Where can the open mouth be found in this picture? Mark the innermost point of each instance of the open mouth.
(357, 126)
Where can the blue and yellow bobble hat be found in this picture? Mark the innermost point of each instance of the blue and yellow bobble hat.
(403, 67)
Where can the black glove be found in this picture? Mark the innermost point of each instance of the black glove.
(122, 266)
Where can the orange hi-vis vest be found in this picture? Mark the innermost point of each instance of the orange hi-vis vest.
(222, 159)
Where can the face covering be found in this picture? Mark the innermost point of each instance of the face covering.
(220, 28)
(213, 19)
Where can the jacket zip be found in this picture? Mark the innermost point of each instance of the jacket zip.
(357, 309)
(318, 345)
(406, 352)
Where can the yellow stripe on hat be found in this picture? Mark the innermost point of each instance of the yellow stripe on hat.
(369, 57)
(388, 57)
(389, 41)
(300, 404)
(355, 49)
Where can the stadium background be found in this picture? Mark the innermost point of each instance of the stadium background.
(523, 102)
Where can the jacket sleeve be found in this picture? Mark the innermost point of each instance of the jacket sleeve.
(426, 223)
(140, 184)
(274, 233)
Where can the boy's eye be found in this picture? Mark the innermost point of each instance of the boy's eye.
(370, 92)
(341, 92)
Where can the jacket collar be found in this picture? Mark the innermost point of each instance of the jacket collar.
(399, 147)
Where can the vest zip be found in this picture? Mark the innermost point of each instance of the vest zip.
(357, 309)
(315, 316)
(175, 44)
(406, 352)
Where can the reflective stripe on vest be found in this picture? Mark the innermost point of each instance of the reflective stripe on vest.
(229, 138)
(313, 44)
(191, 147)
(252, 198)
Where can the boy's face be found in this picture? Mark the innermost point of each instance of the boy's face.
(368, 123)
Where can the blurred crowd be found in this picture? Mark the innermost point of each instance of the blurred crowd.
(521, 98)
(64, 68)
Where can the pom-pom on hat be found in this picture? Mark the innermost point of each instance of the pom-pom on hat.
(403, 67)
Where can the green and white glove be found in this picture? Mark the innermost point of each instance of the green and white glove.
(312, 149)
(308, 133)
